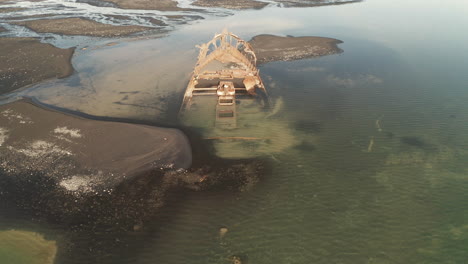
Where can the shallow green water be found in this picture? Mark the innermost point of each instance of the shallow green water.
(332, 196)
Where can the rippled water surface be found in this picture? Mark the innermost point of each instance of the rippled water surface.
(375, 164)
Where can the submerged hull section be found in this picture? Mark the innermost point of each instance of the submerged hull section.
(226, 101)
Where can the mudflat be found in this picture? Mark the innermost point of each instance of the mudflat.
(229, 4)
(163, 5)
(26, 61)
(83, 155)
(311, 3)
(9, 9)
(276, 48)
(80, 26)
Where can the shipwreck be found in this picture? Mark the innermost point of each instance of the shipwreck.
(226, 76)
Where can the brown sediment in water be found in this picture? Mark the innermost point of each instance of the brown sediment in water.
(275, 48)
(2, 29)
(80, 26)
(26, 61)
(229, 4)
(312, 3)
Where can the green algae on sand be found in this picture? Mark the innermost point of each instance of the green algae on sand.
(18, 247)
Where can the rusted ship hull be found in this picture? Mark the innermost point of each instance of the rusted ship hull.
(226, 73)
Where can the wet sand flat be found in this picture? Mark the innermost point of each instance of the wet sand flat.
(275, 48)
(29, 17)
(9, 9)
(311, 3)
(26, 61)
(80, 26)
(163, 5)
(240, 4)
(81, 153)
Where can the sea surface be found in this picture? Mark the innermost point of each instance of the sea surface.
(375, 167)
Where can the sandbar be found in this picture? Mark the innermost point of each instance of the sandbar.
(80, 26)
(270, 48)
(26, 61)
(229, 4)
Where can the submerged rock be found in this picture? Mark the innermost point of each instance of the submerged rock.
(223, 231)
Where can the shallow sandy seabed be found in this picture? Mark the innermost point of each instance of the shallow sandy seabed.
(26, 247)
(33, 62)
(80, 26)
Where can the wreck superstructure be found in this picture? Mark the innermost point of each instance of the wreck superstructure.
(226, 71)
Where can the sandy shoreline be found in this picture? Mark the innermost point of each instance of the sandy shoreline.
(32, 62)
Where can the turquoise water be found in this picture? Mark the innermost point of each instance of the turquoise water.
(376, 168)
